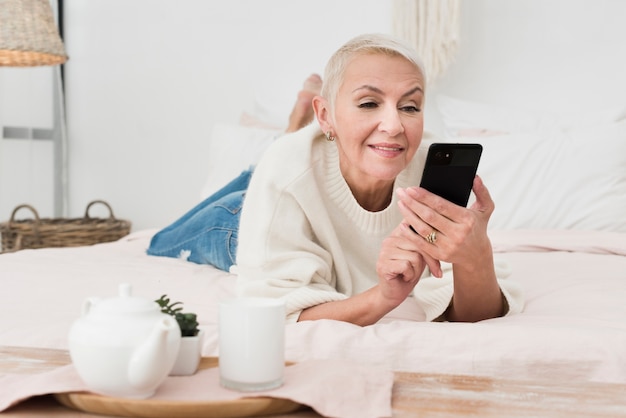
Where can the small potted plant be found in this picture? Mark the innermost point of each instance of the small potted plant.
(190, 350)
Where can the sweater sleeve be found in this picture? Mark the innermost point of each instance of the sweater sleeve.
(434, 295)
(278, 254)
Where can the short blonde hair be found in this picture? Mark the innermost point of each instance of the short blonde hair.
(373, 43)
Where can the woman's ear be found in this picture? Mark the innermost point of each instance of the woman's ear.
(322, 113)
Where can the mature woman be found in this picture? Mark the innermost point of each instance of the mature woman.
(329, 215)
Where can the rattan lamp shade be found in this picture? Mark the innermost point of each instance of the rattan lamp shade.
(29, 35)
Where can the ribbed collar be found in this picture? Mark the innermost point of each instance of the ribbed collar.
(341, 195)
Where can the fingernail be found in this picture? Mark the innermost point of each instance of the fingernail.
(412, 191)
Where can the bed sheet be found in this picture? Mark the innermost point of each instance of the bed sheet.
(43, 290)
(573, 325)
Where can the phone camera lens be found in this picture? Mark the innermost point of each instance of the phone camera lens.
(442, 156)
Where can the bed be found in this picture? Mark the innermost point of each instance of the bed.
(559, 182)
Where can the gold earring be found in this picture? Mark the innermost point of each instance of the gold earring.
(329, 137)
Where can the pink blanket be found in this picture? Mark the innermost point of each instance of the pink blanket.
(363, 391)
(573, 325)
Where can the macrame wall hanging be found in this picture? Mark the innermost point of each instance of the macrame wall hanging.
(432, 27)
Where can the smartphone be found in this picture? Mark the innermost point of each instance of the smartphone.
(450, 170)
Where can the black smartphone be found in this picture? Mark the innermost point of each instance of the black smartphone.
(450, 170)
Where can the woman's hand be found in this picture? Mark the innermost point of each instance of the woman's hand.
(461, 239)
(461, 233)
(400, 266)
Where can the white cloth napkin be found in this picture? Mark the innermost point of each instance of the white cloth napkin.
(332, 388)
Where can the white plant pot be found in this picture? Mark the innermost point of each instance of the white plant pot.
(189, 355)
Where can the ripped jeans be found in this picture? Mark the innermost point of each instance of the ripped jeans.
(208, 233)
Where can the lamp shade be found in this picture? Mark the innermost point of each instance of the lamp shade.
(29, 35)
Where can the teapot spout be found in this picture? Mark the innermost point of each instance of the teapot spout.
(152, 361)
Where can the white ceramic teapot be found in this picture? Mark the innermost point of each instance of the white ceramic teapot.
(124, 346)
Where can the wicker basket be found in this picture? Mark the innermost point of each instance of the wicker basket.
(60, 232)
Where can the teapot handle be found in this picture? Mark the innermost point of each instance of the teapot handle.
(88, 304)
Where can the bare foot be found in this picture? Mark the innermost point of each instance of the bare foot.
(302, 113)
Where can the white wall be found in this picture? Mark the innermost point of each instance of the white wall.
(565, 55)
(26, 165)
(147, 79)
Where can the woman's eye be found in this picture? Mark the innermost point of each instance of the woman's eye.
(411, 109)
(368, 105)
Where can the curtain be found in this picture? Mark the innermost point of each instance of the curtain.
(432, 27)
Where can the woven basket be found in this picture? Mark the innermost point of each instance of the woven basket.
(60, 232)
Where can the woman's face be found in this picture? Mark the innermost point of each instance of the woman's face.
(378, 119)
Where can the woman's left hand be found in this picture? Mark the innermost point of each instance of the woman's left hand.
(461, 233)
(461, 239)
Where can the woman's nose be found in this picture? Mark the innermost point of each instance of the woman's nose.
(390, 122)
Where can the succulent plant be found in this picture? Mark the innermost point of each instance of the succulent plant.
(187, 321)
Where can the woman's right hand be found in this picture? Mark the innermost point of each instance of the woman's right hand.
(399, 268)
(399, 265)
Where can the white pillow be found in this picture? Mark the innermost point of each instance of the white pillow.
(572, 180)
(463, 117)
(232, 149)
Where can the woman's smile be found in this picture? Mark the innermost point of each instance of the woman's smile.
(387, 150)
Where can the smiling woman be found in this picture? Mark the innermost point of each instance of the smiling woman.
(377, 116)
(317, 222)
(322, 228)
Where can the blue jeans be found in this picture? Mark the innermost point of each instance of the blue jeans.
(208, 233)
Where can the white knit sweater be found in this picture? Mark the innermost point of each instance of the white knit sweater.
(303, 237)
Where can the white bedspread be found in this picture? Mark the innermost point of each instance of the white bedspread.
(573, 325)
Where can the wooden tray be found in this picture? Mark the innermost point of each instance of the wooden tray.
(147, 408)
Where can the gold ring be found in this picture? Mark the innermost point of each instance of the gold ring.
(432, 237)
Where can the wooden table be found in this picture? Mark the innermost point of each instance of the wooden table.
(414, 394)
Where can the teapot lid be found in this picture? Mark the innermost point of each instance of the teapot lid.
(125, 303)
